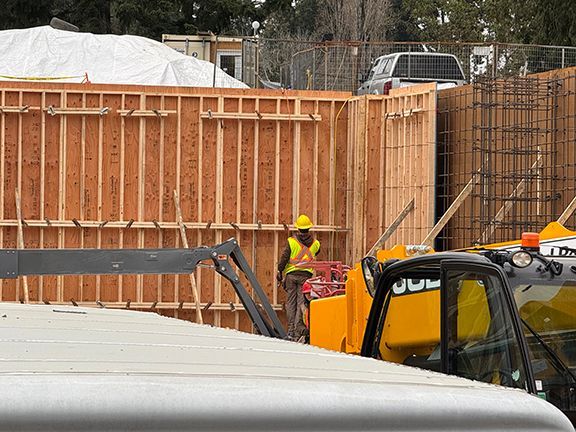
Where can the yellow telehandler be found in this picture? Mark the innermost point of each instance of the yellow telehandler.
(502, 313)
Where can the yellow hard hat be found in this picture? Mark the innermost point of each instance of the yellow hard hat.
(303, 222)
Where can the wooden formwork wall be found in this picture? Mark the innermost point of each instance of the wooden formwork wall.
(96, 166)
(394, 159)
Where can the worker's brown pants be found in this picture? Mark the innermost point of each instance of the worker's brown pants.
(294, 302)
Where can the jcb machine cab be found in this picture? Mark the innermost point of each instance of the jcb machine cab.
(506, 317)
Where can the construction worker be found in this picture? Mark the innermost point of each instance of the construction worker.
(299, 252)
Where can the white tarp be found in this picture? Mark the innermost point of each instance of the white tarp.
(62, 56)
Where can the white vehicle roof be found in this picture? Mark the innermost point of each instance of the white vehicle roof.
(414, 53)
(67, 368)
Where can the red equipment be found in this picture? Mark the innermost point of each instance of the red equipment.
(329, 280)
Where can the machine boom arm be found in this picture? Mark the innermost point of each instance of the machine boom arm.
(27, 262)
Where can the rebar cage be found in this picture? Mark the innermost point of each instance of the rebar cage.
(517, 136)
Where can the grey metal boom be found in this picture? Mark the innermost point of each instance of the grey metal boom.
(27, 262)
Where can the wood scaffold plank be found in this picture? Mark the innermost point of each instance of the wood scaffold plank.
(185, 244)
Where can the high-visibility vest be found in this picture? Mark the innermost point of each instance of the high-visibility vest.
(301, 255)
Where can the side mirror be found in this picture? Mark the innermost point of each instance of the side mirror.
(370, 270)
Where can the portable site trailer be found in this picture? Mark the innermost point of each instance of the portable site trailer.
(70, 368)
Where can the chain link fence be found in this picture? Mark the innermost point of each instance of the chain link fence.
(344, 65)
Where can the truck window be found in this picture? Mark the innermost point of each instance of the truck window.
(374, 69)
(383, 66)
(429, 67)
(388, 67)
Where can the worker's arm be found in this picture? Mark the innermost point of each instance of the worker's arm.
(284, 258)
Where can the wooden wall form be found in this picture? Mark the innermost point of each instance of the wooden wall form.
(96, 166)
(394, 160)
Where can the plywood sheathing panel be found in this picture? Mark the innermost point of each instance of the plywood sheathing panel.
(113, 174)
(393, 149)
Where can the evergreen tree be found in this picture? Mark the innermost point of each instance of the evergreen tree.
(550, 22)
(25, 13)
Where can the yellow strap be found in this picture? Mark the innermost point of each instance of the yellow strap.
(40, 78)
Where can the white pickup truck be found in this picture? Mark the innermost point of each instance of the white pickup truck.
(70, 368)
(410, 68)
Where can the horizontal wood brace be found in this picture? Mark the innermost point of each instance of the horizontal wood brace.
(324, 96)
(404, 113)
(260, 116)
(75, 223)
(151, 305)
(76, 111)
(146, 113)
(16, 109)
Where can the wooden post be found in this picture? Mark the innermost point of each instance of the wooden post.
(21, 242)
(392, 228)
(358, 209)
(451, 210)
(185, 244)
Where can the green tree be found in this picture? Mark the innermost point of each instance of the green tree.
(233, 17)
(88, 15)
(551, 22)
(25, 13)
(150, 19)
(445, 20)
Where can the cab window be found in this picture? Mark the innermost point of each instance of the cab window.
(382, 66)
(388, 67)
(482, 343)
(478, 336)
(548, 313)
(374, 69)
